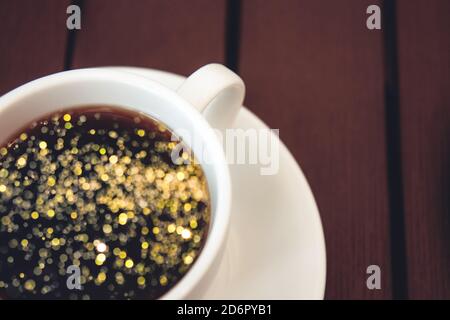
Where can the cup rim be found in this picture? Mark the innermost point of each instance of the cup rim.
(218, 229)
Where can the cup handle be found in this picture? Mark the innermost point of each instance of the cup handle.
(216, 92)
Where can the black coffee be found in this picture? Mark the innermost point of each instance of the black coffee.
(93, 205)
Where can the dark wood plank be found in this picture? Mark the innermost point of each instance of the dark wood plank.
(424, 64)
(315, 71)
(177, 36)
(32, 40)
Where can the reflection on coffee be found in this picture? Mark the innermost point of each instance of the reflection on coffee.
(95, 188)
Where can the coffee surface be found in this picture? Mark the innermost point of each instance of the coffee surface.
(98, 203)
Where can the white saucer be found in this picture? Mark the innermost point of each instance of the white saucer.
(276, 247)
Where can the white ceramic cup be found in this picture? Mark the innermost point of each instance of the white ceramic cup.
(209, 98)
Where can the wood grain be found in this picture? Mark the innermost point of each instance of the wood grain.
(315, 71)
(32, 40)
(177, 36)
(424, 65)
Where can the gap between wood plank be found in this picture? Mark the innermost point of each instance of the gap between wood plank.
(394, 154)
(71, 39)
(233, 34)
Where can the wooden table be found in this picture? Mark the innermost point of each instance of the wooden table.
(365, 112)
